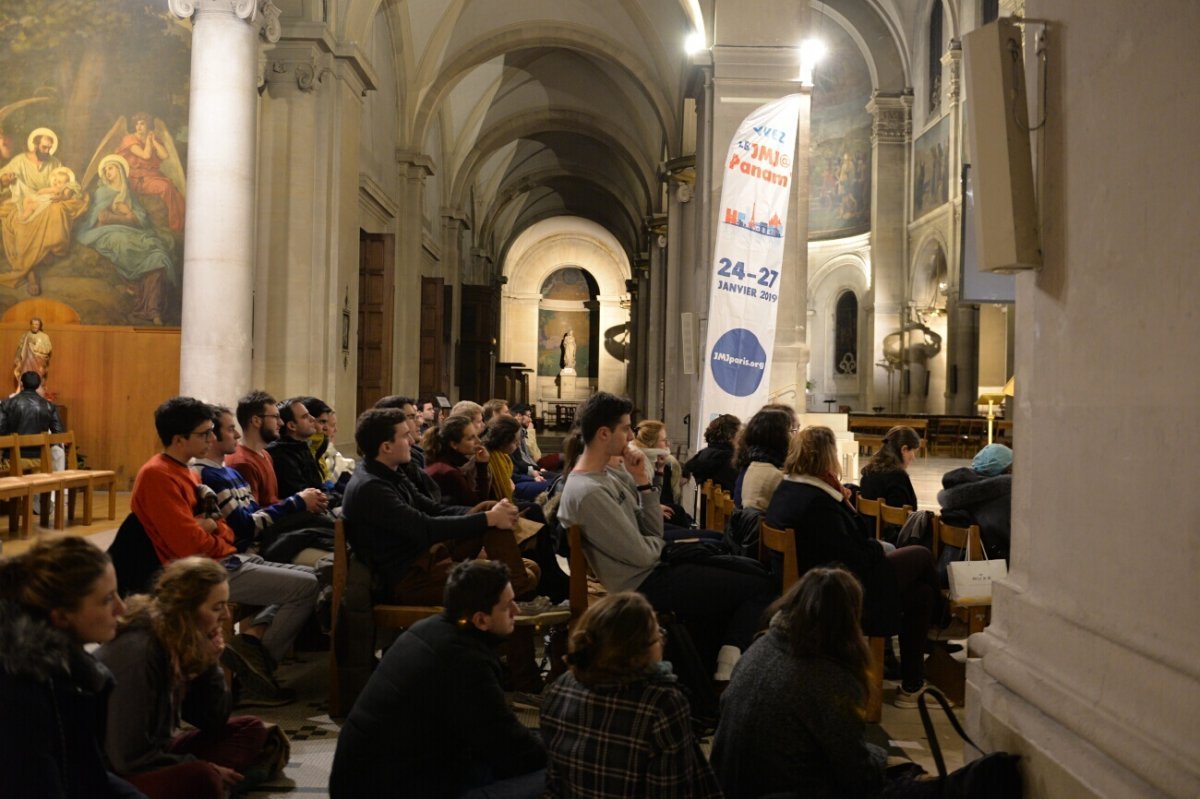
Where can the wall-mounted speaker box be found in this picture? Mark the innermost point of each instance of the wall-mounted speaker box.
(998, 138)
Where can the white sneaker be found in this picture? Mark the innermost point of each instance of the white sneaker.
(727, 658)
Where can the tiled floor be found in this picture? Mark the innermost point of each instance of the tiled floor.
(314, 734)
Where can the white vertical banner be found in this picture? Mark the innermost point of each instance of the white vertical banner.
(747, 262)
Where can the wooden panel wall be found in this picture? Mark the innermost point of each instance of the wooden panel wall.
(111, 379)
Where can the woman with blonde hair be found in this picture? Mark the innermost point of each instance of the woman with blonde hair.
(54, 599)
(165, 658)
(616, 725)
(900, 587)
(651, 434)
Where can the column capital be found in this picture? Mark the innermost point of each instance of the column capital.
(414, 165)
(892, 118)
(264, 13)
(952, 69)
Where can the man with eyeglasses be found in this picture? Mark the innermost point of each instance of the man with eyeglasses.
(260, 422)
(168, 501)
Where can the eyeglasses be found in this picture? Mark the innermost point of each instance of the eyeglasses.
(410, 416)
(209, 433)
(268, 416)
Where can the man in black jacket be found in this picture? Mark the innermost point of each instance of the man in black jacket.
(295, 467)
(405, 538)
(28, 412)
(432, 720)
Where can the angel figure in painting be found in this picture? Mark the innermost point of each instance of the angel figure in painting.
(33, 353)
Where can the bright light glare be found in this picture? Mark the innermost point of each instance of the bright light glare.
(811, 53)
(694, 43)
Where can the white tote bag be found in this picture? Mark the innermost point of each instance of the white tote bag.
(971, 580)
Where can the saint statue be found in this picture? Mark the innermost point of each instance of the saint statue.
(33, 352)
(568, 347)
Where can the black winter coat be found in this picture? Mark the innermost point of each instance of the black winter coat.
(828, 533)
(968, 497)
(894, 488)
(391, 524)
(713, 463)
(53, 697)
(295, 467)
(27, 413)
(432, 720)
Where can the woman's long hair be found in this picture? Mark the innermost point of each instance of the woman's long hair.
(56, 574)
(889, 458)
(501, 431)
(765, 438)
(179, 592)
(820, 617)
(439, 440)
(612, 640)
(813, 452)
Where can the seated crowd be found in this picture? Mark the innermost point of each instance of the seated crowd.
(241, 504)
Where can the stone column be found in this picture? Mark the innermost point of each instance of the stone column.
(406, 359)
(891, 135)
(218, 265)
(611, 374)
(454, 225)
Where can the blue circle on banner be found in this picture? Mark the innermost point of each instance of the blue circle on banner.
(738, 362)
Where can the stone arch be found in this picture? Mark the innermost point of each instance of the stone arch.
(846, 272)
(538, 252)
(929, 273)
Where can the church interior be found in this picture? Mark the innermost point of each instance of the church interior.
(520, 198)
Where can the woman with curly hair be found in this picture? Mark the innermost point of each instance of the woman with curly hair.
(761, 453)
(616, 724)
(54, 599)
(165, 658)
(715, 462)
(457, 461)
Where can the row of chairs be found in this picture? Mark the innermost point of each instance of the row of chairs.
(19, 486)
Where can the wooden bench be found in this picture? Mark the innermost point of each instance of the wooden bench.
(36, 484)
(88, 480)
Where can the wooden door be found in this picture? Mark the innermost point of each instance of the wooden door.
(480, 328)
(433, 311)
(376, 287)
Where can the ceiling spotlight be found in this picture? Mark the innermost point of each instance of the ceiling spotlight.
(694, 43)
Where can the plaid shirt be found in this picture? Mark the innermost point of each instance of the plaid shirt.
(630, 741)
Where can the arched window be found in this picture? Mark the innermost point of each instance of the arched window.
(935, 58)
(845, 347)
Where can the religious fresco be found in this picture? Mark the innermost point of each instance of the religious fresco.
(839, 166)
(931, 179)
(93, 145)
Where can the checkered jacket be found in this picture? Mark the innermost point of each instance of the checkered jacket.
(631, 741)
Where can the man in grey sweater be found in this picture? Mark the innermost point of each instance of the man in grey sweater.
(719, 598)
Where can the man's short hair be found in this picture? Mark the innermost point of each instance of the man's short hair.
(492, 408)
(30, 381)
(466, 408)
(374, 427)
(217, 412)
(474, 586)
(285, 408)
(316, 406)
(252, 405)
(395, 401)
(519, 408)
(602, 409)
(180, 416)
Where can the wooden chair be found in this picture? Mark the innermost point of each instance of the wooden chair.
(722, 510)
(386, 616)
(892, 516)
(870, 509)
(977, 615)
(41, 483)
(87, 480)
(707, 504)
(772, 539)
(16, 492)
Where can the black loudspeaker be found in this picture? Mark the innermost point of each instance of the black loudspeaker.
(998, 136)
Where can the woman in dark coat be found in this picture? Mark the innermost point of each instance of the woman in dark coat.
(54, 599)
(982, 494)
(901, 587)
(885, 477)
(715, 462)
(457, 461)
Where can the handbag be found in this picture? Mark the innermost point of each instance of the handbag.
(971, 580)
(993, 776)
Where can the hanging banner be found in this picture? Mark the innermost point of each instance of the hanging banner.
(747, 262)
